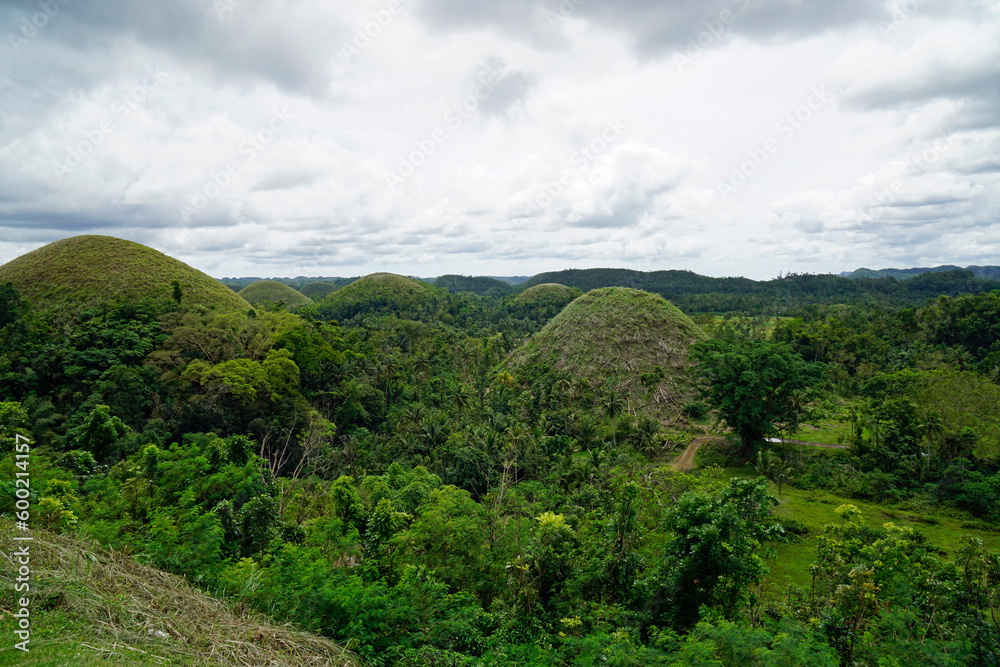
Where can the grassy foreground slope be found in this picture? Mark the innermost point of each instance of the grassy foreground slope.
(620, 339)
(274, 291)
(82, 272)
(92, 606)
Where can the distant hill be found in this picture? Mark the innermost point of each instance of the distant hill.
(543, 302)
(655, 281)
(984, 272)
(236, 284)
(275, 292)
(512, 280)
(548, 292)
(381, 294)
(72, 274)
(317, 290)
(611, 337)
(695, 293)
(476, 284)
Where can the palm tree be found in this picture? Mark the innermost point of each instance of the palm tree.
(613, 406)
(560, 389)
(648, 428)
(586, 431)
(932, 425)
(775, 469)
(459, 397)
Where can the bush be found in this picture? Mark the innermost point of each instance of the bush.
(696, 410)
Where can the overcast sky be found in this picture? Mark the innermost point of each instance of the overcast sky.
(284, 138)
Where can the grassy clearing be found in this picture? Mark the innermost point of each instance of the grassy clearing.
(815, 509)
(943, 527)
(827, 432)
(92, 606)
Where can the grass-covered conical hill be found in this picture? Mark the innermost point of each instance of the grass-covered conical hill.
(621, 339)
(317, 290)
(275, 292)
(381, 294)
(80, 272)
(547, 294)
(482, 285)
(543, 302)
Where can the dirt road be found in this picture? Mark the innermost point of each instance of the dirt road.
(686, 460)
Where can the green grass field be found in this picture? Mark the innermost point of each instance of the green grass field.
(943, 527)
(826, 432)
(815, 509)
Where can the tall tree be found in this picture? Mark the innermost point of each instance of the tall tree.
(752, 384)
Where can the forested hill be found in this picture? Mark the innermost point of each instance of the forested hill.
(695, 293)
(985, 272)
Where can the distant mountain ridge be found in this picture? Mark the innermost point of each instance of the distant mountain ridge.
(695, 293)
(236, 284)
(984, 272)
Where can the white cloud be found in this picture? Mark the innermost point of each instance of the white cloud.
(518, 142)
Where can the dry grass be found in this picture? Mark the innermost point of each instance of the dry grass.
(84, 271)
(611, 336)
(274, 291)
(547, 293)
(378, 293)
(122, 607)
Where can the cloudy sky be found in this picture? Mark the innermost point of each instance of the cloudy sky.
(307, 137)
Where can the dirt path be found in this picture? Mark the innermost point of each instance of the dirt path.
(686, 460)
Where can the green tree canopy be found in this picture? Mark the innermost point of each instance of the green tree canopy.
(752, 384)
